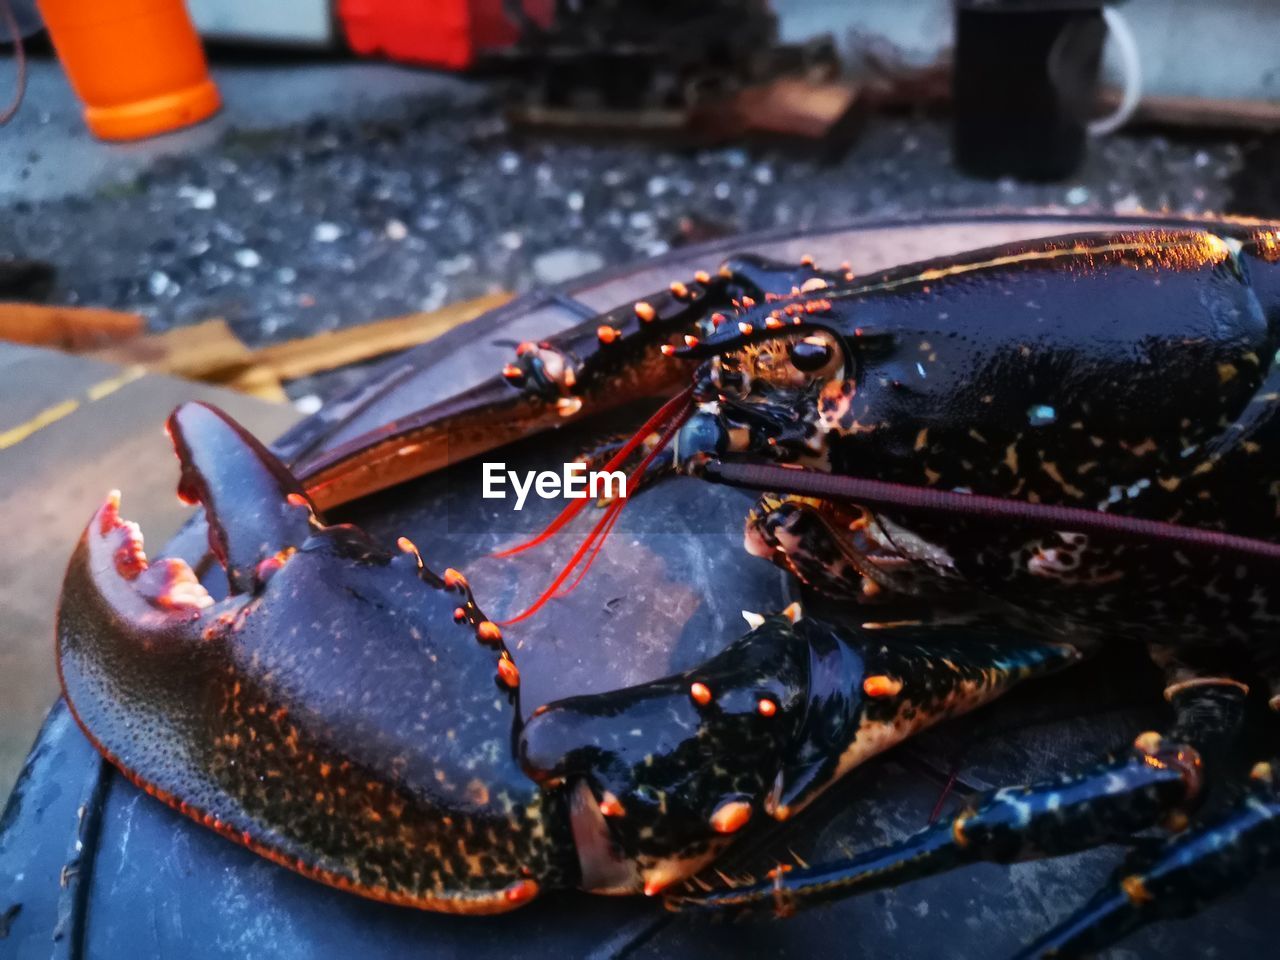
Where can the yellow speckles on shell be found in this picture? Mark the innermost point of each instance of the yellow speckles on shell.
(407, 546)
(1135, 888)
(1011, 458)
(508, 672)
(1056, 476)
(730, 816)
(922, 439)
(700, 693)
(611, 806)
(1227, 372)
(881, 686)
(478, 793)
(522, 891)
(1148, 742)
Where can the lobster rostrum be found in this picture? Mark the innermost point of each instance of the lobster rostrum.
(1040, 448)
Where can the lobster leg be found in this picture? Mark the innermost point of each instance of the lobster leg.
(1188, 872)
(1153, 782)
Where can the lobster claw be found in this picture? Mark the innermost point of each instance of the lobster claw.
(343, 711)
(256, 509)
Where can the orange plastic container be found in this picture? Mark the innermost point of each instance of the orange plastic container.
(137, 64)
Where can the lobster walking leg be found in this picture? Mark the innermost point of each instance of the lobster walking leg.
(840, 550)
(1189, 871)
(1153, 782)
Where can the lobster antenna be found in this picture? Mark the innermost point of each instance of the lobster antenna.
(672, 407)
(614, 511)
(880, 493)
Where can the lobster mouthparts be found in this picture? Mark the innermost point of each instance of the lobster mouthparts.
(343, 711)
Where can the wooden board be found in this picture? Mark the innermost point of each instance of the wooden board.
(211, 352)
(70, 430)
(71, 328)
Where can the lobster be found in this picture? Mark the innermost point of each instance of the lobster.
(1033, 450)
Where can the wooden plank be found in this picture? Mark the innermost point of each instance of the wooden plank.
(1205, 112)
(70, 328)
(211, 352)
(339, 348)
(207, 351)
(203, 351)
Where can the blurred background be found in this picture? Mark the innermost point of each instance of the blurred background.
(372, 158)
(265, 197)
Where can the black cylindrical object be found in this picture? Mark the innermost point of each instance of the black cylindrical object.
(1026, 75)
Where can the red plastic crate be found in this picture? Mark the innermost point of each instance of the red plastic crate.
(441, 33)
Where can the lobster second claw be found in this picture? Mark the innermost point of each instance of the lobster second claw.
(619, 357)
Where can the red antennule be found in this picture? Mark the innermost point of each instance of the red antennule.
(682, 406)
(680, 401)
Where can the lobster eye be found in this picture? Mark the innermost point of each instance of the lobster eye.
(812, 354)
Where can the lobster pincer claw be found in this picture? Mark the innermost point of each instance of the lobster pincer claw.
(344, 711)
(256, 510)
